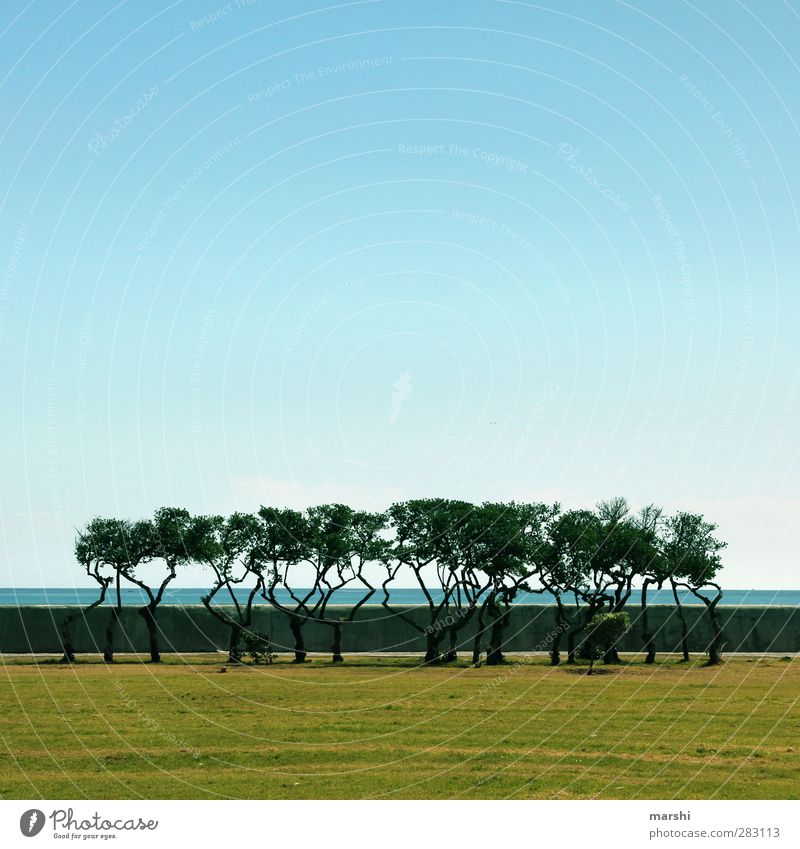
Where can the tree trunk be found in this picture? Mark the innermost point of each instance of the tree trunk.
(715, 649)
(66, 640)
(234, 652)
(337, 643)
(477, 648)
(494, 651)
(108, 651)
(113, 619)
(148, 613)
(647, 634)
(684, 628)
(296, 625)
(611, 654)
(452, 653)
(571, 645)
(561, 626)
(432, 647)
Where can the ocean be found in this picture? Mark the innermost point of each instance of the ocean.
(17, 596)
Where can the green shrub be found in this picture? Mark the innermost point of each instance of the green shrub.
(604, 631)
(258, 646)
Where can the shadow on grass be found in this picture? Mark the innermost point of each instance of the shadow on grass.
(214, 661)
(598, 670)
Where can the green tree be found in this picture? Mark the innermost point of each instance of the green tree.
(282, 543)
(121, 546)
(89, 553)
(653, 568)
(227, 546)
(627, 552)
(692, 553)
(336, 542)
(329, 541)
(578, 570)
(167, 537)
(366, 544)
(511, 549)
(328, 536)
(434, 538)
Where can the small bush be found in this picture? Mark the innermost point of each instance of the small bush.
(258, 646)
(605, 630)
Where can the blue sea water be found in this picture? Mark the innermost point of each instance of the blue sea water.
(17, 596)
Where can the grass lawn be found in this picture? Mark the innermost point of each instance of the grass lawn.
(389, 729)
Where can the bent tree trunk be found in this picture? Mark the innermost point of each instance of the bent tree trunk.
(66, 625)
(494, 651)
(458, 621)
(234, 650)
(647, 634)
(236, 627)
(573, 632)
(337, 643)
(235, 630)
(611, 653)
(433, 639)
(682, 618)
(715, 649)
(67, 644)
(717, 642)
(113, 619)
(110, 635)
(296, 626)
(562, 623)
(452, 652)
(148, 613)
(477, 646)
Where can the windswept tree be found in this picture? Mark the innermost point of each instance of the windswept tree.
(366, 544)
(570, 544)
(616, 554)
(434, 538)
(415, 527)
(627, 551)
(121, 547)
(281, 545)
(335, 545)
(329, 553)
(167, 538)
(511, 548)
(89, 553)
(578, 572)
(693, 556)
(482, 556)
(652, 567)
(228, 546)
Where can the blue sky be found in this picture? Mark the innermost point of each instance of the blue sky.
(296, 252)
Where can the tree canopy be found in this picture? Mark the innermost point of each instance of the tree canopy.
(469, 562)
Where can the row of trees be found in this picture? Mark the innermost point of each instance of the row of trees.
(470, 563)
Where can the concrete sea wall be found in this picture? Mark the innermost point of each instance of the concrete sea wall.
(36, 629)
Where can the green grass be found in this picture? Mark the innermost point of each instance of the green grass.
(389, 729)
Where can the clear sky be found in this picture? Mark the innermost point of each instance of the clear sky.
(290, 252)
